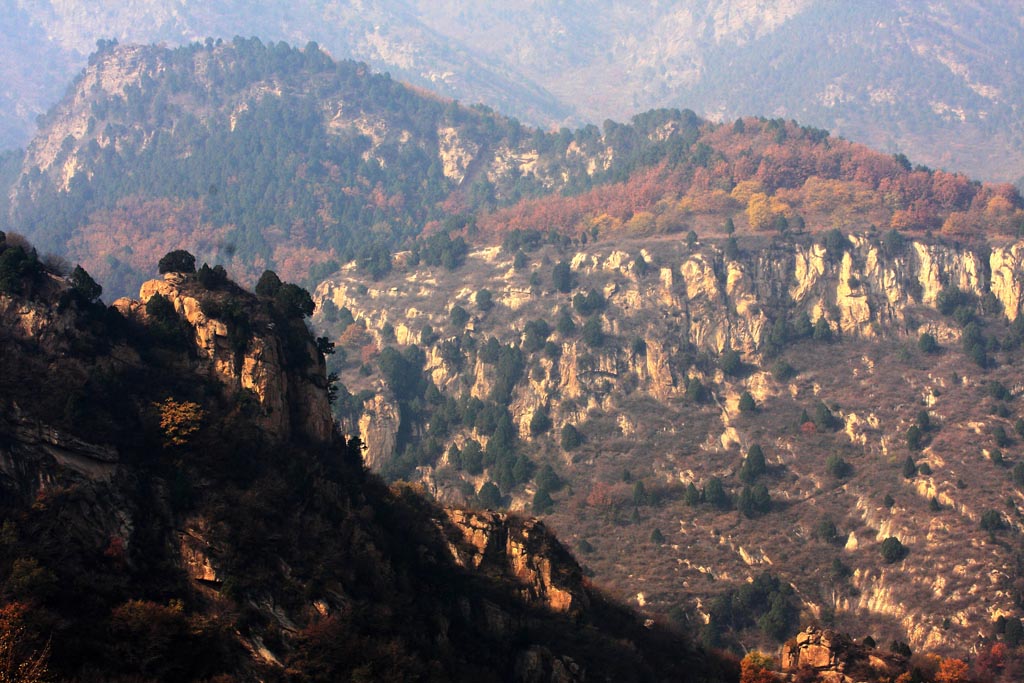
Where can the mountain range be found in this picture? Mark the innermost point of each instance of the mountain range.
(935, 81)
(673, 339)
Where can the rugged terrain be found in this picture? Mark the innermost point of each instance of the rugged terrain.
(936, 81)
(758, 377)
(823, 340)
(178, 506)
(266, 156)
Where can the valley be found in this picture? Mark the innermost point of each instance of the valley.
(755, 377)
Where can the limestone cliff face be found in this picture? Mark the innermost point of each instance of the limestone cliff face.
(665, 324)
(698, 298)
(378, 430)
(292, 401)
(522, 549)
(109, 75)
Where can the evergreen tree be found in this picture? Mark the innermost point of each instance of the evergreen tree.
(909, 468)
(822, 331)
(489, 496)
(177, 261)
(570, 438)
(753, 466)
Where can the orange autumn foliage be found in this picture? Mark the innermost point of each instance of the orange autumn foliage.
(952, 670)
(755, 668)
(21, 659)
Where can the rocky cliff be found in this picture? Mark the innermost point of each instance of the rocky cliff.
(834, 657)
(815, 327)
(291, 395)
(193, 487)
(686, 298)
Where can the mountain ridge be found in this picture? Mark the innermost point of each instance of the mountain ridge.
(269, 156)
(897, 76)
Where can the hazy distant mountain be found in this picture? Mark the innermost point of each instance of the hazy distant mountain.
(936, 81)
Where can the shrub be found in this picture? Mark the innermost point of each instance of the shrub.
(927, 343)
(179, 420)
(21, 660)
(753, 465)
(592, 334)
(892, 550)
(268, 284)
(570, 438)
(177, 261)
(561, 277)
(747, 404)
(540, 422)
(484, 300)
(991, 520)
(657, 537)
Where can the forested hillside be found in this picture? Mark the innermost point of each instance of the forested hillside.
(266, 156)
(937, 81)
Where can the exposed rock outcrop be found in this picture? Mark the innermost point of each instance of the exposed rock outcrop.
(701, 299)
(378, 430)
(836, 658)
(291, 399)
(523, 549)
